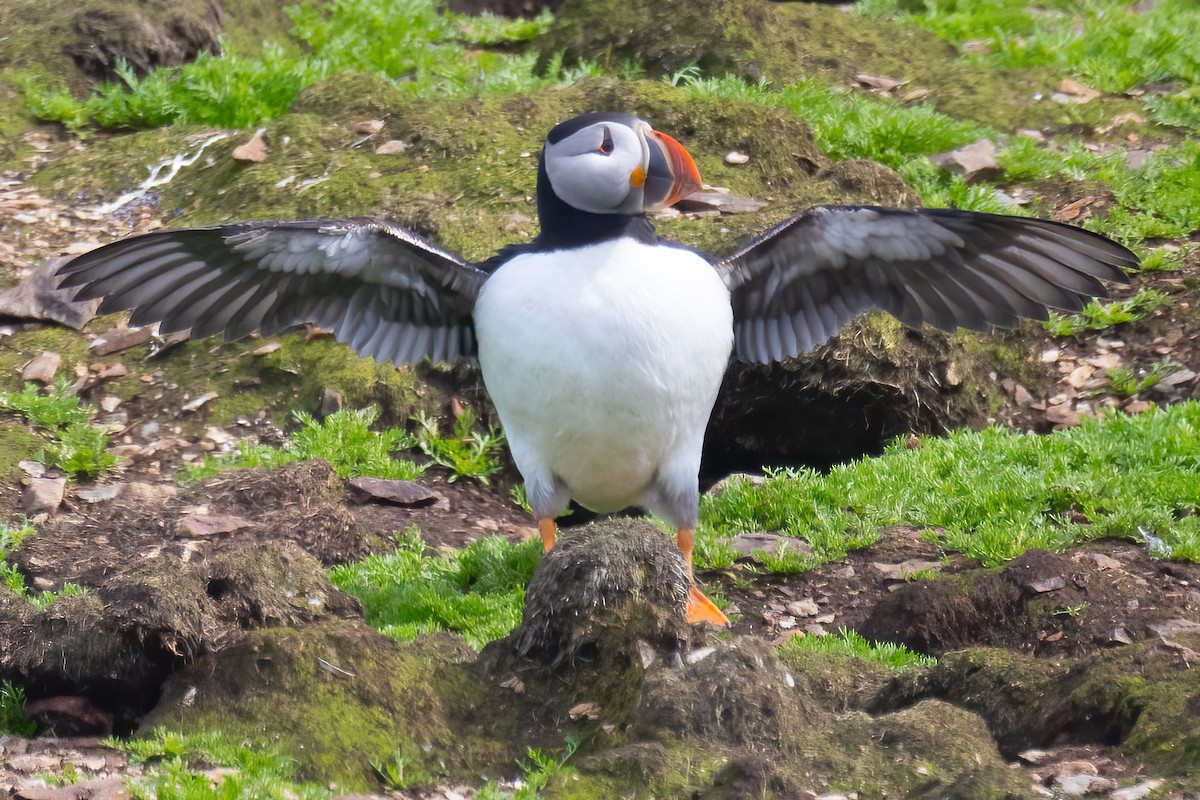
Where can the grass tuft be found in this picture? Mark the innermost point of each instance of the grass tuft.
(77, 446)
(467, 453)
(993, 494)
(477, 592)
(1125, 382)
(345, 440)
(850, 643)
(13, 719)
(1100, 316)
(537, 772)
(426, 49)
(175, 763)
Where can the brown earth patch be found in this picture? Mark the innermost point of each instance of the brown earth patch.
(1093, 598)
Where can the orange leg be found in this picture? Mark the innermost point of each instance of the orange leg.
(699, 607)
(548, 530)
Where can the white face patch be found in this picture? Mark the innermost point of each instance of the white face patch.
(587, 177)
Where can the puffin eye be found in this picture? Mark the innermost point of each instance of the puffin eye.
(606, 144)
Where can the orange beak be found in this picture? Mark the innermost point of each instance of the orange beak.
(671, 175)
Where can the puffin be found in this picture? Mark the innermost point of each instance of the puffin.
(602, 345)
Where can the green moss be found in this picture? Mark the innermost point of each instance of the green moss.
(643, 770)
(336, 696)
(1167, 730)
(932, 749)
(32, 342)
(109, 166)
(470, 166)
(718, 35)
(786, 42)
(17, 443)
(835, 681)
(293, 378)
(1003, 354)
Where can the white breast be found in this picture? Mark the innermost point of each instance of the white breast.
(604, 364)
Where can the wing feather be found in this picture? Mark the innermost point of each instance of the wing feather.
(796, 284)
(382, 289)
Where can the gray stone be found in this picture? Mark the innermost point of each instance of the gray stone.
(43, 496)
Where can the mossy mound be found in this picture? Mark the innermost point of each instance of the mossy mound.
(79, 43)
(596, 596)
(876, 380)
(931, 750)
(1140, 698)
(237, 644)
(117, 643)
(717, 36)
(338, 695)
(784, 42)
(834, 682)
(291, 378)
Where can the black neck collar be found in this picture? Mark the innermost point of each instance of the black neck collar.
(564, 226)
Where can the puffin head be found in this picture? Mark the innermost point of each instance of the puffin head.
(611, 163)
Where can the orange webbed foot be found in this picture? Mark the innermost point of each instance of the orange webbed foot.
(701, 609)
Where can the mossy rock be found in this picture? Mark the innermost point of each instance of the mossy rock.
(1019, 696)
(338, 695)
(1140, 698)
(834, 682)
(151, 616)
(292, 378)
(930, 750)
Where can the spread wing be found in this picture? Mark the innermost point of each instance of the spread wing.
(798, 283)
(385, 291)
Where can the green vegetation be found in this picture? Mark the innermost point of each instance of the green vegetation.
(14, 581)
(476, 592)
(467, 453)
(849, 124)
(77, 447)
(1126, 382)
(13, 719)
(784, 561)
(11, 537)
(401, 772)
(846, 641)
(174, 762)
(537, 773)
(344, 439)
(1160, 199)
(993, 494)
(1109, 44)
(427, 50)
(12, 578)
(58, 409)
(1099, 316)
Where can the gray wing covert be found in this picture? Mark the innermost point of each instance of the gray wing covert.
(798, 283)
(385, 291)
